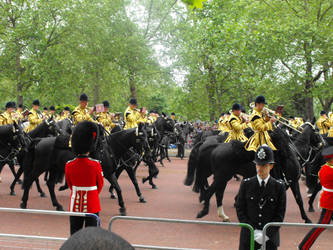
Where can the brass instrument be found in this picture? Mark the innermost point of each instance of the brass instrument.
(281, 119)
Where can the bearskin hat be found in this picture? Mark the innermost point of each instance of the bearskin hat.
(84, 137)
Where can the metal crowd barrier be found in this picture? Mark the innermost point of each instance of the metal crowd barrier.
(286, 224)
(43, 212)
(133, 218)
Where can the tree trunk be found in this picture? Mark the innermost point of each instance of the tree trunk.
(19, 71)
(309, 114)
(132, 85)
(96, 89)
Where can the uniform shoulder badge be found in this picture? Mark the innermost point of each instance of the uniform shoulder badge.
(247, 179)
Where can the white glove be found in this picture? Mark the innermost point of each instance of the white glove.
(258, 236)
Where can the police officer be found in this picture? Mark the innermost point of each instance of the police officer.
(236, 125)
(84, 176)
(131, 114)
(326, 199)
(45, 113)
(260, 125)
(105, 117)
(34, 116)
(81, 112)
(261, 199)
(6, 118)
(173, 117)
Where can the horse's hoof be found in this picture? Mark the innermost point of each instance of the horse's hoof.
(311, 210)
(113, 196)
(308, 221)
(19, 181)
(12, 193)
(122, 211)
(169, 160)
(142, 200)
(153, 186)
(42, 195)
(62, 188)
(144, 180)
(60, 208)
(202, 214)
(23, 206)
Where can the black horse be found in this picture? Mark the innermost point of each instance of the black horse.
(11, 140)
(225, 160)
(314, 167)
(164, 125)
(46, 128)
(52, 153)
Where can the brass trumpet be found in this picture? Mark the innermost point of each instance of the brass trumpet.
(281, 119)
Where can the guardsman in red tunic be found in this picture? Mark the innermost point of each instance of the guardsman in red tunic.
(84, 176)
(326, 199)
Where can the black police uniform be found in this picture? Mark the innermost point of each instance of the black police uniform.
(257, 206)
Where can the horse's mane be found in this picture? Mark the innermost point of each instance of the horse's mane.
(280, 140)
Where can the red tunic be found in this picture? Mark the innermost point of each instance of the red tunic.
(326, 180)
(84, 177)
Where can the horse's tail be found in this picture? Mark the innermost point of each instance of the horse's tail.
(28, 162)
(192, 164)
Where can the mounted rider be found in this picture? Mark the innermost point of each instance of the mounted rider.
(65, 114)
(323, 123)
(6, 118)
(330, 120)
(82, 112)
(260, 125)
(131, 114)
(34, 117)
(105, 117)
(236, 125)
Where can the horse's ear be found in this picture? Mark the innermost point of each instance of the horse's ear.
(163, 114)
(313, 122)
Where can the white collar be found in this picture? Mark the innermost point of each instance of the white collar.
(260, 180)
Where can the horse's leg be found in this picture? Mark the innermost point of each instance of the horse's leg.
(51, 184)
(114, 182)
(17, 177)
(297, 194)
(220, 210)
(117, 174)
(63, 187)
(316, 190)
(132, 176)
(12, 168)
(207, 195)
(40, 191)
(167, 152)
(25, 196)
(46, 175)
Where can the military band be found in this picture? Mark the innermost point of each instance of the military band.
(34, 117)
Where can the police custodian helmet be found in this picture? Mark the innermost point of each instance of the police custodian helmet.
(264, 155)
(84, 137)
